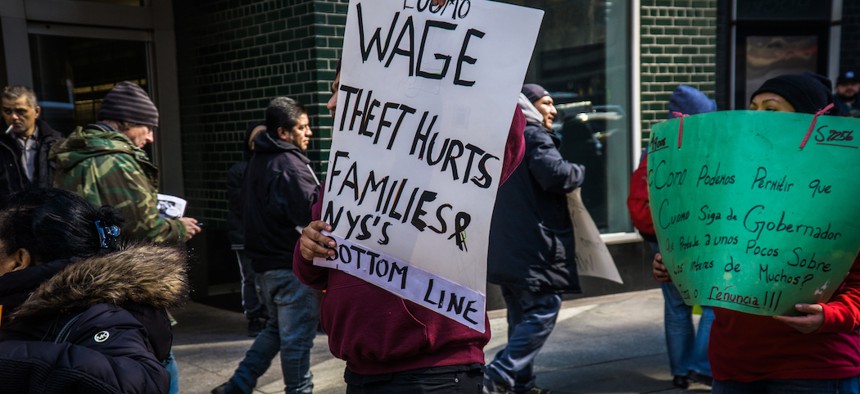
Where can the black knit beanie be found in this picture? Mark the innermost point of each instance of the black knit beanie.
(534, 92)
(128, 102)
(807, 92)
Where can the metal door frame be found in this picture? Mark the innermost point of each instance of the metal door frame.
(151, 23)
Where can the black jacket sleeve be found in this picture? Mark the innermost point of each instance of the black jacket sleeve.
(552, 172)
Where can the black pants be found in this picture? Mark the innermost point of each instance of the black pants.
(466, 379)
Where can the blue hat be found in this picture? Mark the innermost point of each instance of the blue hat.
(689, 101)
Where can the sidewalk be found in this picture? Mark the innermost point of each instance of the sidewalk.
(607, 344)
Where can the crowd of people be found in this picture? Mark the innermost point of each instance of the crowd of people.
(89, 268)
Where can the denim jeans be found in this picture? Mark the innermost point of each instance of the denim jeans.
(293, 318)
(688, 350)
(531, 318)
(251, 305)
(789, 386)
(173, 371)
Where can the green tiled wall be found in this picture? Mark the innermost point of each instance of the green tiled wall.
(678, 46)
(233, 57)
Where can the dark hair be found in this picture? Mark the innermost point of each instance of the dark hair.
(247, 140)
(55, 224)
(282, 112)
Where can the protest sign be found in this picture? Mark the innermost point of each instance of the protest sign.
(592, 255)
(426, 98)
(746, 218)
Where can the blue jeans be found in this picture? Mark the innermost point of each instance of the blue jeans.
(173, 371)
(531, 318)
(254, 309)
(788, 386)
(293, 318)
(688, 350)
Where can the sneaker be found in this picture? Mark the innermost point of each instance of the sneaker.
(538, 390)
(255, 326)
(225, 388)
(680, 382)
(700, 378)
(493, 387)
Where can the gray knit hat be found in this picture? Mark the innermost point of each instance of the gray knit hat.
(128, 102)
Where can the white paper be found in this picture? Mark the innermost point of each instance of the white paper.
(170, 207)
(417, 144)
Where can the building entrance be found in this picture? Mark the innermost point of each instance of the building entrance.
(71, 75)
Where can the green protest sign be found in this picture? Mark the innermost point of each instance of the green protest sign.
(746, 218)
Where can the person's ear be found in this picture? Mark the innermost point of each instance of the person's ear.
(20, 259)
(38, 110)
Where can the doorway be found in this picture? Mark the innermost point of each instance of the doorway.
(71, 75)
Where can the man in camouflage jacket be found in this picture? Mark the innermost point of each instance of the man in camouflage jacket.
(105, 163)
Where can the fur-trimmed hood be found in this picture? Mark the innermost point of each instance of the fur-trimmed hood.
(147, 275)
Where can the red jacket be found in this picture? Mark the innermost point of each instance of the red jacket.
(377, 332)
(747, 347)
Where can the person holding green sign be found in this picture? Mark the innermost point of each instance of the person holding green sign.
(817, 351)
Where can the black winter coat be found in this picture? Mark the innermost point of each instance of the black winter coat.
(91, 326)
(278, 192)
(12, 176)
(531, 235)
(235, 222)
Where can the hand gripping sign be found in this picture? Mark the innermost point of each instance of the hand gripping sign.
(756, 211)
(426, 98)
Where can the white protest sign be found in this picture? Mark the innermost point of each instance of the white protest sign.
(426, 98)
(592, 255)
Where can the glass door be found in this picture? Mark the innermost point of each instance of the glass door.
(71, 75)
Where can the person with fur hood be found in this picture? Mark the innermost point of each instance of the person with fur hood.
(79, 313)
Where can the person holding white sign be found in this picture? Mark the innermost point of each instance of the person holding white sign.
(815, 352)
(531, 253)
(393, 345)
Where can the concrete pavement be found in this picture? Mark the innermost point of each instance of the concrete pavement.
(606, 344)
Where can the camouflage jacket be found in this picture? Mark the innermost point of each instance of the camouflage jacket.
(107, 169)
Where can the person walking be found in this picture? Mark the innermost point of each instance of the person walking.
(415, 350)
(252, 306)
(279, 189)
(25, 144)
(531, 253)
(105, 163)
(687, 346)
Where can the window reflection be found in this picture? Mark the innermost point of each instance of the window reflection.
(582, 59)
(72, 75)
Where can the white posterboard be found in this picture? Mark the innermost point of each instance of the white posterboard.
(426, 99)
(592, 256)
